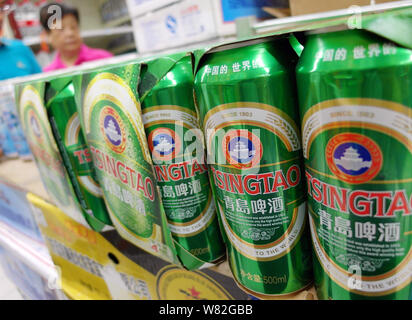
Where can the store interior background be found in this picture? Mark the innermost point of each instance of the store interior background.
(104, 24)
(116, 25)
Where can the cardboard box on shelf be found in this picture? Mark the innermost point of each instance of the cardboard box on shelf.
(299, 7)
(182, 23)
(191, 21)
(231, 8)
(141, 7)
(227, 11)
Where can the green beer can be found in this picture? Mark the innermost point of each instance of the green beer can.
(246, 99)
(356, 107)
(37, 129)
(177, 148)
(65, 124)
(110, 114)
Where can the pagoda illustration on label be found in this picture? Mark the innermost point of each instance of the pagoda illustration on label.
(241, 150)
(112, 128)
(163, 144)
(353, 160)
(112, 131)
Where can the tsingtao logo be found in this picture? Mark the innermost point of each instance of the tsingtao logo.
(242, 148)
(113, 129)
(353, 158)
(164, 144)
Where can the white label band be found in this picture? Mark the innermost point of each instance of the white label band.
(377, 287)
(197, 226)
(72, 131)
(276, 250)
(170, 115)
(262, 116)
(384, 117)
(91, 186)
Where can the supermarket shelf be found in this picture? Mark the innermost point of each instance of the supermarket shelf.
(190, 47)
(123, 48)
(26, 176)
(117, 22)
(108, 32)
(31, 252)
(8, 289)
(23, 174)
(296, 21)
(29, 266)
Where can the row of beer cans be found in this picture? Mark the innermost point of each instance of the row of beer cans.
(297, 165)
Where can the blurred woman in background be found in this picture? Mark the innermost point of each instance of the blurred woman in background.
(61, 23)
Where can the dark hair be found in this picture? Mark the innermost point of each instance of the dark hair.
(45, 15)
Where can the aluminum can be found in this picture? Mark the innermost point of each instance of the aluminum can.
(109, 108)
(65, 124)
(37, 129)
(248, 110)
(177, 148)
(356, 109)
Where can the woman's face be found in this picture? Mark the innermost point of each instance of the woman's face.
(68, 37)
